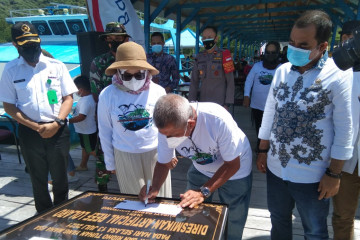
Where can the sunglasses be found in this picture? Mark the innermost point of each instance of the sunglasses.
(128, 76)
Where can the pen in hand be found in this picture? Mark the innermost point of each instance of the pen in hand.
(147, 191)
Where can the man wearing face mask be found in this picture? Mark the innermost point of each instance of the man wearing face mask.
(37, 92)
(128, 136)
(169, 76)
(306, 131)
(212, 75)
(207, 134)
(258, 82)
(346, 201)
(115, 34)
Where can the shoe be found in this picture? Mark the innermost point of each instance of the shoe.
(72, 179)
(79, 168)
(50, 187)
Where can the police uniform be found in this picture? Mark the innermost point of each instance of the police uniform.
(27, 87)
(209, 77)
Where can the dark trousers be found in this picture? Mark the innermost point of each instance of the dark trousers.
(44, 155)
(282, 197)
(257, 116)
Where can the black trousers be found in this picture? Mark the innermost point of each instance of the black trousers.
(44, 155)
(257, 116)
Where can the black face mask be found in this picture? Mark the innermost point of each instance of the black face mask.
(271, 58)
(30, 53)
(209, 44)
(114, 45)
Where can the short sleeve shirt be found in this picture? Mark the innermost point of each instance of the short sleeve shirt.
(28, 87)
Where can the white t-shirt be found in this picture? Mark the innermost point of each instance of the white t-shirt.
(215, 139)
(258, 83)
(125, 121)
(86, 106)
(28, 86)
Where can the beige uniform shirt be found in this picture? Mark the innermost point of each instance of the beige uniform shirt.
(209, 77)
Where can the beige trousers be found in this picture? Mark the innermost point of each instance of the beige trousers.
(134, 169)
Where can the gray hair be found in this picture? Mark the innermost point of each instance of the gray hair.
(172, 109)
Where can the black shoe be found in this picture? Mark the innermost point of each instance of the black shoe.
(103, 188)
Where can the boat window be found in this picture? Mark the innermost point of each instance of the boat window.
(75, 26)
(58, 27)
(42, 27)
(87, 24)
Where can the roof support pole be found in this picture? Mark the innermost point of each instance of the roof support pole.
(235, 50)
(157, 11)
(240, 45)
(222, 40)
(147, 24)
(358, 12)
(178, 33)
(333, 38)
(229, 41)
(197, 40)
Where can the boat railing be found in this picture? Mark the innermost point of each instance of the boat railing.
(57, 9)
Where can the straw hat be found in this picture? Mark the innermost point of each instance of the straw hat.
(130, 55)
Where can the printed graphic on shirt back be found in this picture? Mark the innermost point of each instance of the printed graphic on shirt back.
(265, 78)
(134, 117)
(194, 153)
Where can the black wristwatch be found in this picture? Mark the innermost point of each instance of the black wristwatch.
(61, 122)
(333, 175)
(205, 191)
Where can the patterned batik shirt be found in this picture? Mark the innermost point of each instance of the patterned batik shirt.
(98, 79)
(308, 120)
(169, 72)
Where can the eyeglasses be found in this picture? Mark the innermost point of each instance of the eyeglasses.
(128, 76)
(268, 52)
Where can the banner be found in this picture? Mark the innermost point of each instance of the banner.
(102, 12)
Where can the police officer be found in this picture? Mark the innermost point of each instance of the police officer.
(212, 72)
(37, 93)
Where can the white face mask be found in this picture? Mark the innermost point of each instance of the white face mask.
(134, 84)
(173, 142)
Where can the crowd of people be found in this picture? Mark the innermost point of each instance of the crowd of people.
(306, 113)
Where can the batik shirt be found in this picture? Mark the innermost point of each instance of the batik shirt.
(169, 72)
(308, 120)
(98, 79)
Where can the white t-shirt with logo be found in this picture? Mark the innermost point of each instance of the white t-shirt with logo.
(257, 85)
(86, 106)
(125, 121)
(215, 139)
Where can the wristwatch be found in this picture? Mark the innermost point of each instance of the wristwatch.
(61, 122)
(262, 151)
(205, 191)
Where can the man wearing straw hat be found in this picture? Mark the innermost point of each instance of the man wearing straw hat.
(128, 136)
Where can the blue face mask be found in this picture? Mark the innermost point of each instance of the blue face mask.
(156, 48)
(298, 57)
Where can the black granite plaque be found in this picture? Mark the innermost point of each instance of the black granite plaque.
(93, 215)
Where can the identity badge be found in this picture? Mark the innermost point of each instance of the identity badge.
(52, 98)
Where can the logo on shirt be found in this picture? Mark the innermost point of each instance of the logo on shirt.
(134, 117)
(265, 78)
(194, 153)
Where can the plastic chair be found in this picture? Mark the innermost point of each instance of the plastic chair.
(4, 134)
